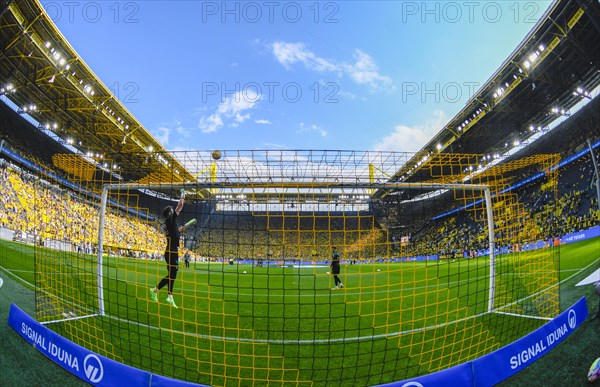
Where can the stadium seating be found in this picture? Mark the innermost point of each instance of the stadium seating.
(35, 207)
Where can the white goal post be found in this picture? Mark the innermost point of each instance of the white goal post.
(300, 186)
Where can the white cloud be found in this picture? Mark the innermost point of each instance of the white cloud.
(239, 118)
(312, 128)
(180, 129)
(171, 134)
(363, 72)
(162, 135)
(263, 122)
(271, 145)
(232, 109)
(211, 123)
(412, 139)
(290, 53)
(347, 94)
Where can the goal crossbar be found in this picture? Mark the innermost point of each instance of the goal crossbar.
(299, 185)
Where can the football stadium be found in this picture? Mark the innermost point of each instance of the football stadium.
(469, 262)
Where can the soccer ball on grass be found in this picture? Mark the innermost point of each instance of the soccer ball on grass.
(594, 372)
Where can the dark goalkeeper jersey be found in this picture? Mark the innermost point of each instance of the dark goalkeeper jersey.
(172, 232)
(335, 259)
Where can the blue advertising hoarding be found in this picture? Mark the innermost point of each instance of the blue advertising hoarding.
(90, 367)
(487, 370)
(581, 235)
(503, 363)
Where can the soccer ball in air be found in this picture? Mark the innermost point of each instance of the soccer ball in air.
(594, 372)
(216, 154)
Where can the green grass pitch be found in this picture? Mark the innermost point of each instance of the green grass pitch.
(282, 324)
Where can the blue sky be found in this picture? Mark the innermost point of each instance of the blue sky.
(353, 75)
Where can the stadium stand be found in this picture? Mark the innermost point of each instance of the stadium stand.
(46, 202)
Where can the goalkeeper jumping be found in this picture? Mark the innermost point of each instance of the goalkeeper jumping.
(172, 250)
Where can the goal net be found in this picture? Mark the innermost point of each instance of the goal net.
(441, 262)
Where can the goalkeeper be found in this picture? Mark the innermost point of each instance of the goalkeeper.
(335, 268)
(172, 251)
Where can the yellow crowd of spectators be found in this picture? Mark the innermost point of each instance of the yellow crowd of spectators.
(37, 208)
(535, 213)
(279, 237)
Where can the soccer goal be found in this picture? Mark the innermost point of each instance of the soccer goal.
(441, 263)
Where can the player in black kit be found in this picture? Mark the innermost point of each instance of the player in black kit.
(335, 268)
(172, 251)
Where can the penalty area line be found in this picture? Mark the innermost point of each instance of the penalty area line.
(525, 316)
(69, 319)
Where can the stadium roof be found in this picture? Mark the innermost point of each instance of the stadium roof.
(548, 74)
(44, 77)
